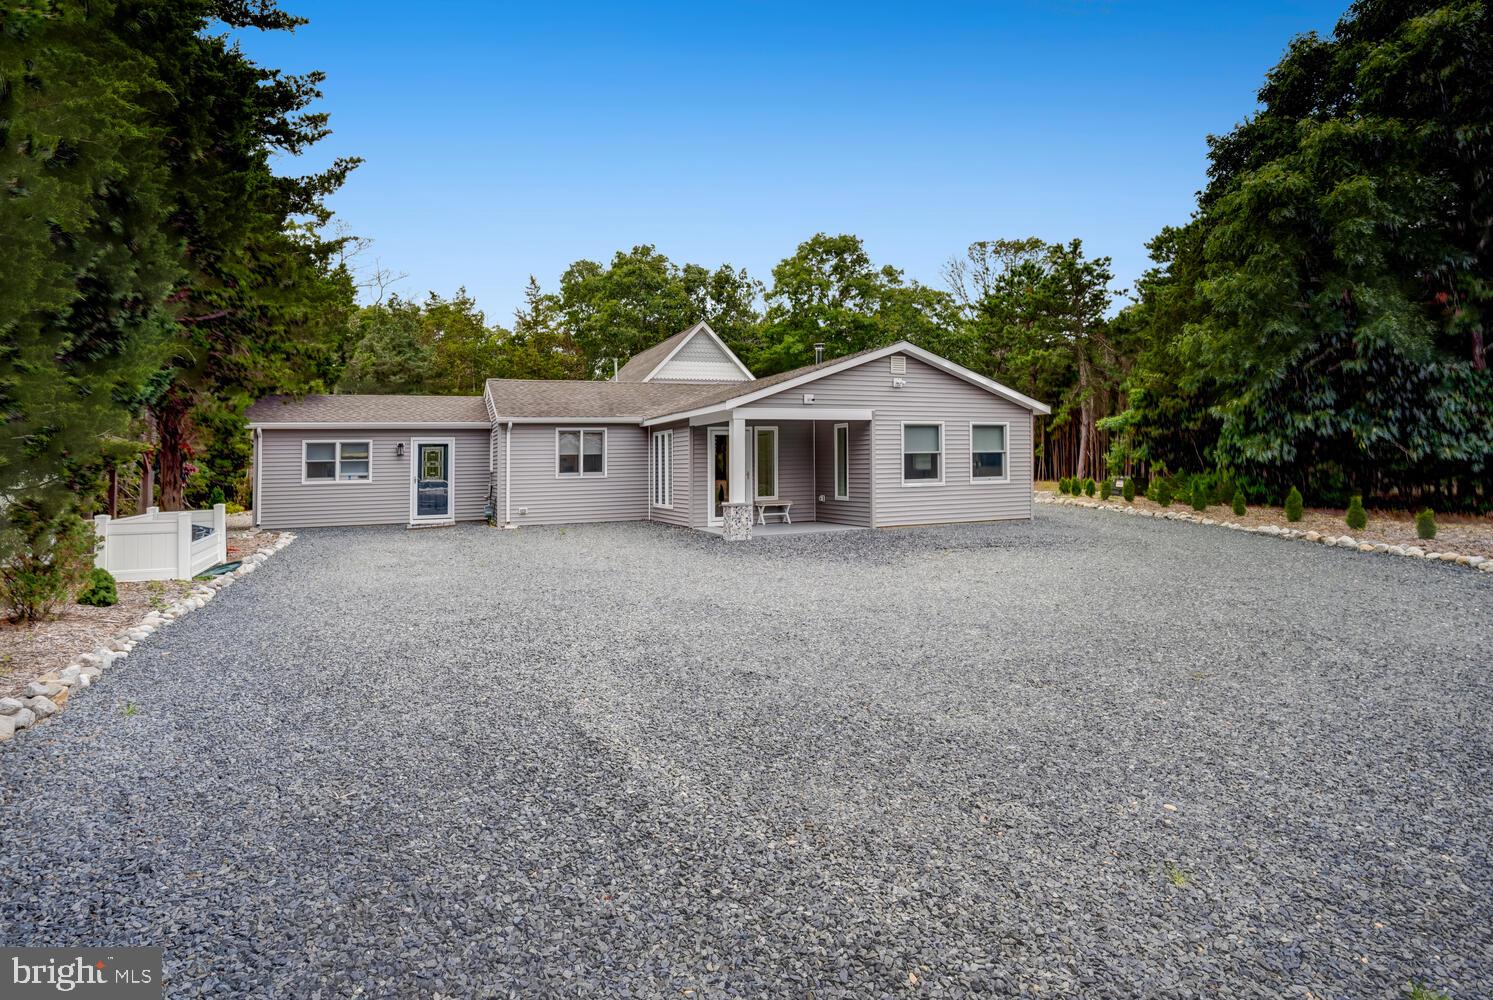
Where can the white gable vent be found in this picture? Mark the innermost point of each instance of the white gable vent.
(899, 364)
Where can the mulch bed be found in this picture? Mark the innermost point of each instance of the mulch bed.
(1465, 534)
(27, 651)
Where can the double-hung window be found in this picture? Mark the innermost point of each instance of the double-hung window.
(987, 453)
(580, 452)
(842, 461)
(922, 454)
(663, 468)
(336, 461)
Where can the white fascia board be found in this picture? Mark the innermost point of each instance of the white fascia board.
(570, 420)
(700, 327)
(361, 425)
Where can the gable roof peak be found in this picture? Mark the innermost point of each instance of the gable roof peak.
(646, 365)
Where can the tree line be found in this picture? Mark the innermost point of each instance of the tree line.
(1319, 321)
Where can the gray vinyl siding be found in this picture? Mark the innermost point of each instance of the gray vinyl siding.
(929, 395)
(541, 497)
(682, 454)
(857, 509)
(286, 502)
(796, 477)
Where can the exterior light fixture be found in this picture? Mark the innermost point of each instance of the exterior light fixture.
(399, 450)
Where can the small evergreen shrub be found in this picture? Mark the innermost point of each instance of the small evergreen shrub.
(100, 591)
(1425, 524)
(1239, 507)
(1224, 489)
(1127, 489)
(1088, 487)
(1105, 488)
(1293, 505)
(1199, 493)
(1357, 518)
(1063, 485)
(216, 497)
(45, 556)
(1163, 492)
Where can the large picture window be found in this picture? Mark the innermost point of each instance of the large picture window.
(987, 452)
(663, 468)
(922, 454)
(580, 452)
(336, 461)
(842, 461)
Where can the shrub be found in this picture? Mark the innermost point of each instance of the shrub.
(1127, 489)
(1067, 484)
(45, 556)
(1293, 505)
(1163, 490)
(100, 591)
(1224, 489)
(1199, 493)
(1425, 524)
(1105, 488)
(233, 508)
(216, 497)
(1088, 487)
(1239, 507)
(1357, 519)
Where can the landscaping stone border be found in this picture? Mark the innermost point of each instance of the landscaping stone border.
(1340, 541)
(49, 694)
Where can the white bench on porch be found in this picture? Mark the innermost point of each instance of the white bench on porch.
(774, 508)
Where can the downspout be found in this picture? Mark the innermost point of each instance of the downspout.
(258, 470)
(508, 476)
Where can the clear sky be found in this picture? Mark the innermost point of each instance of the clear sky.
(507, 140)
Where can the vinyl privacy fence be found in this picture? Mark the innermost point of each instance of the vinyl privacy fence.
(176, 545)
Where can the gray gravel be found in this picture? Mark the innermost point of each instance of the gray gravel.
(637, 761)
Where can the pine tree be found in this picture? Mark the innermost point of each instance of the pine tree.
(1357, 518)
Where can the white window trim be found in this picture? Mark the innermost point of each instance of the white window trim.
(662, 474)
(581, 472)
(336, 479)
(777, 475)
(838, 456)
(993, 480)
(415, 443)
(943, 448)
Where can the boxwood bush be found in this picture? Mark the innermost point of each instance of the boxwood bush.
(1357, 518)
(1293, 505)
(99, 591)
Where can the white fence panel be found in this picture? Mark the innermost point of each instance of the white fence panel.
(157, 546)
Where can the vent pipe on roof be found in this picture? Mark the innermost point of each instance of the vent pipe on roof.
(614, 369)
(818, 354)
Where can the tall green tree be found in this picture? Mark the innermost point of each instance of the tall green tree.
(263, 296)
(1035, 316)
(393, 354)
(88, 260)
(539, 345)
(829, 292)
(615, 311)
(1344, 263)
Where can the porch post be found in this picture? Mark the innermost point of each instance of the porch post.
(736, 475)
(736, 512)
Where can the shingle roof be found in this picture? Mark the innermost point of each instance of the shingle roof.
(720, 394)
(368, 409)
(572, 399)
(641, 365)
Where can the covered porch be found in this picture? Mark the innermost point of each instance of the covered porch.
(784, 470)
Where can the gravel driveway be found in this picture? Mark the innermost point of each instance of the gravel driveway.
(1084, 756)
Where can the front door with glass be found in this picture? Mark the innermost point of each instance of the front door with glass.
(432, 472)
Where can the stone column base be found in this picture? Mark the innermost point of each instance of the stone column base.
(736, 521)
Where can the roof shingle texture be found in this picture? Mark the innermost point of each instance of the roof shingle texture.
(640, 365)
(581, 399)
(352, 409)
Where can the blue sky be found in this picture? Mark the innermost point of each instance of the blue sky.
(503, 141)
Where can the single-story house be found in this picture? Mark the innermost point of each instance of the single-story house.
(683, 434)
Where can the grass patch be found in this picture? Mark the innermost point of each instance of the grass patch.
(1178, 877)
